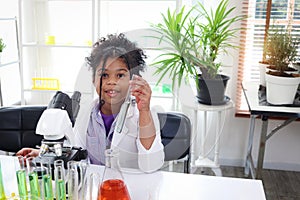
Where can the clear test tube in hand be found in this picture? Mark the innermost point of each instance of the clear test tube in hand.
(124, 109)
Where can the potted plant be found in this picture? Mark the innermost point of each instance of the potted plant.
(282, 52)
(2, 46)
(195, 47)
(216, 38)
(268, 48)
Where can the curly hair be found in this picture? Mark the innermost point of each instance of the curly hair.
(117, 46)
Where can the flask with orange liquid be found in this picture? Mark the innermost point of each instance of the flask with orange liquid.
(112, 186)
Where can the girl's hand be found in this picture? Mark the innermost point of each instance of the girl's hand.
(142, 92)
(28, 152)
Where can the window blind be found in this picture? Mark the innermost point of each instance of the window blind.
(283, 14)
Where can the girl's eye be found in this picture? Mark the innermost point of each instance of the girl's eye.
(121, 75)
(104, 75)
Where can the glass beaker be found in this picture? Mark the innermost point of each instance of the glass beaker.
(112, 186)
(35, 192)
(2, 192)
(47, 180)
(59, 175)
(21, 177)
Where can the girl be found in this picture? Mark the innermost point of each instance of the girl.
(116, 64)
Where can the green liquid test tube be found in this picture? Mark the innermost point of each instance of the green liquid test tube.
(22, 187)
(47, 182)
(34, 186)
(2, 193)
(60, 190)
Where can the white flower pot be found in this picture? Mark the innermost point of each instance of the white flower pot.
(262, 73)
(281, 90)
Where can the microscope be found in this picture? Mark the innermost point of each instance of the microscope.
(56, 122)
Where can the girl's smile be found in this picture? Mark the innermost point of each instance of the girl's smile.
(112, 93)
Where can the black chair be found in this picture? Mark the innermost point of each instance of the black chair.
(176, 136)
(17, 127)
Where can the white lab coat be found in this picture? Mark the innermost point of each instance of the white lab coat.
(132, 152)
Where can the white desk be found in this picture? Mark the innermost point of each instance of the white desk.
(169, 185)
(291, 113)
(203, 160)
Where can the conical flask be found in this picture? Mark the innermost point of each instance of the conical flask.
(112, 186)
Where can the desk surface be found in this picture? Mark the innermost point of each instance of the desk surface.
(168, 185)
(251, 93)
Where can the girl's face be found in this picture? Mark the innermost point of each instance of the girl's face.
(115, 82)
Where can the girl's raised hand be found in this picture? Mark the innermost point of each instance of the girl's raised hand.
(142, 92)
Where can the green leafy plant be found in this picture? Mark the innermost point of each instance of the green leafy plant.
(195, 41)
(2, 45)
(216, 35)
(177, 31)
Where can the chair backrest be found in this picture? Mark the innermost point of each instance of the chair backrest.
(17, 127)
(175, 134)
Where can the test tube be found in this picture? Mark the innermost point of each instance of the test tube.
(73, 180)
(21, 177)
(59, 174)
(35, 192)
(47, 180)
(2, 192)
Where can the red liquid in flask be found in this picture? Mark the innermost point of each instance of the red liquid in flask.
(113, 189)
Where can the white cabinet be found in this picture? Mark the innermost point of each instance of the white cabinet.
(55, 38)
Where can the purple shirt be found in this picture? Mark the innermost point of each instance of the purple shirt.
(108, 120)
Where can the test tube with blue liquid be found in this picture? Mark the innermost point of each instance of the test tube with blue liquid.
(21, 177)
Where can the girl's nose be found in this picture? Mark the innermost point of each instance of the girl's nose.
(112, 81)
